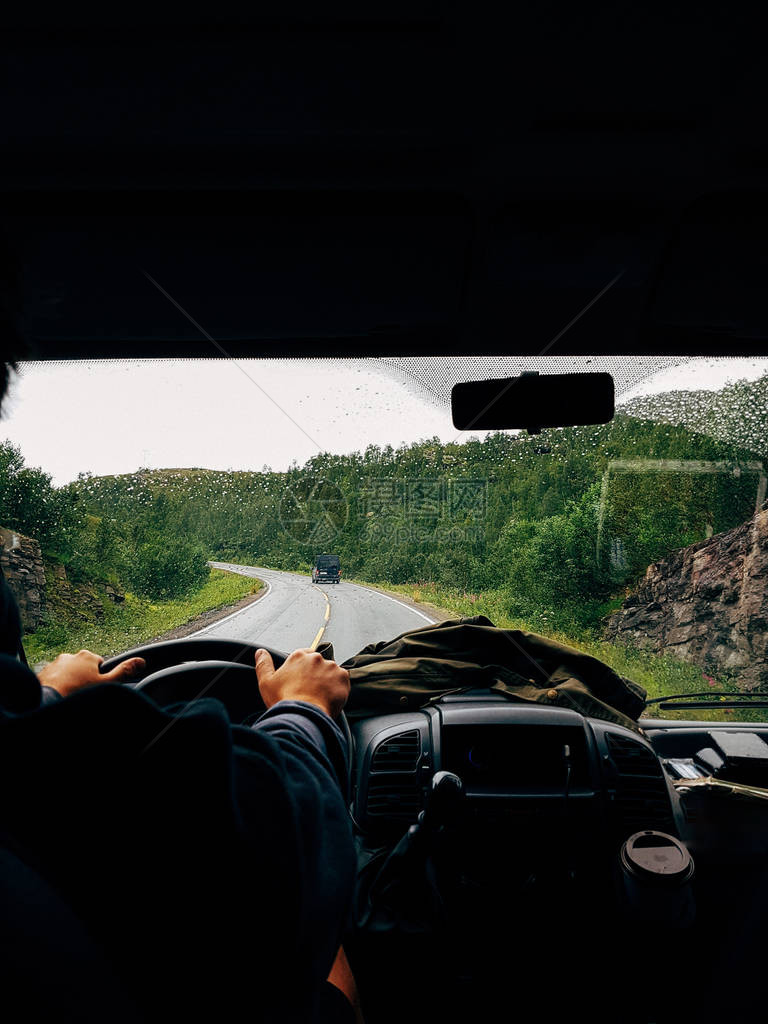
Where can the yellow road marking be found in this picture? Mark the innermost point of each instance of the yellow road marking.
(318, 638)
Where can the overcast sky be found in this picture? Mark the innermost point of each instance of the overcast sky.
(113, 417)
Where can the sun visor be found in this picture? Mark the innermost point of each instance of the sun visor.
(275, 269)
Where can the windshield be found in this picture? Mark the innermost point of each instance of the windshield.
(150, 499)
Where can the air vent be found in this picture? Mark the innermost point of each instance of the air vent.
(394, 796)
(642, 798)
(398, 754)
(633, 758)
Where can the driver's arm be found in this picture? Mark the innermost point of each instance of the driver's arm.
(71, 672)
(23, 690)
(303, 698)
(305, 676)
(64, 675)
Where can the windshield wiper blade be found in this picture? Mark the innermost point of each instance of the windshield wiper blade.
(758, 699)
(709, 783)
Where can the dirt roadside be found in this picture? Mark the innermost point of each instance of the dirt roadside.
(208, 618)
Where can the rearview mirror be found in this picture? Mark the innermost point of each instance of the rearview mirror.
(532, 401)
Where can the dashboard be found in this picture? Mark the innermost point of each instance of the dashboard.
(515, 762)
(552, 772)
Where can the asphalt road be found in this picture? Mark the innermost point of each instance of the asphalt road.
(297, 613)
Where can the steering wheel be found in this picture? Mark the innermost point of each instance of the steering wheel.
(180, 671)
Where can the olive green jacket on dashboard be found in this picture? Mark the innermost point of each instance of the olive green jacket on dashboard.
(422, 665)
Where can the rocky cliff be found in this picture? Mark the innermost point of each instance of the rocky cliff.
(44, 592)
(708, 604)
(22, 564)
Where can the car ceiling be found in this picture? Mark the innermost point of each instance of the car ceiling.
(403, 179)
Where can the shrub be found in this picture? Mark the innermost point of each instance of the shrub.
(166, 569)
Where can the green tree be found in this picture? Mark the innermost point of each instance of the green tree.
(163, 569)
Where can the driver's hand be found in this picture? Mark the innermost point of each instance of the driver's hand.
(304, 675)
(70, 672)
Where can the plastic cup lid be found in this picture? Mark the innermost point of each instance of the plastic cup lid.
(657, 856)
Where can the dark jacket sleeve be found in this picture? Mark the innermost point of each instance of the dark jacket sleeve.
(19, 687)
(10, 620)
(295, 721)
(309, 752)
(20, 690)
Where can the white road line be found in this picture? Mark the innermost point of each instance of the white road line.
(402, 604)
(240, 611)
(226, 618)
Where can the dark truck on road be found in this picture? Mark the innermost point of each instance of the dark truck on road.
(327, 569)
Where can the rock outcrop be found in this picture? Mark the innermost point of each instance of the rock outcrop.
(82, 601)
(707, 604)
(22, 563)
(44, 592)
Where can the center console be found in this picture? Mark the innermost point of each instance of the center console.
(503, 843)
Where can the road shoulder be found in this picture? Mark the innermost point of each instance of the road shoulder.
(211, 617)
(431, 610)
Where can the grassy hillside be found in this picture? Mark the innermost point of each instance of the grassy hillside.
(136, 621)
(528, 516)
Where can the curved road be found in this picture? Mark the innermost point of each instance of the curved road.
(296, 612)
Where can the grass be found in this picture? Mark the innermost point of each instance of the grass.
(136, 620)
(658, 675)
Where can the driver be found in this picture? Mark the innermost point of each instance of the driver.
(163, 861)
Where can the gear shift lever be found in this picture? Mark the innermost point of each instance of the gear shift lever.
(443, 803)
(404, 891)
